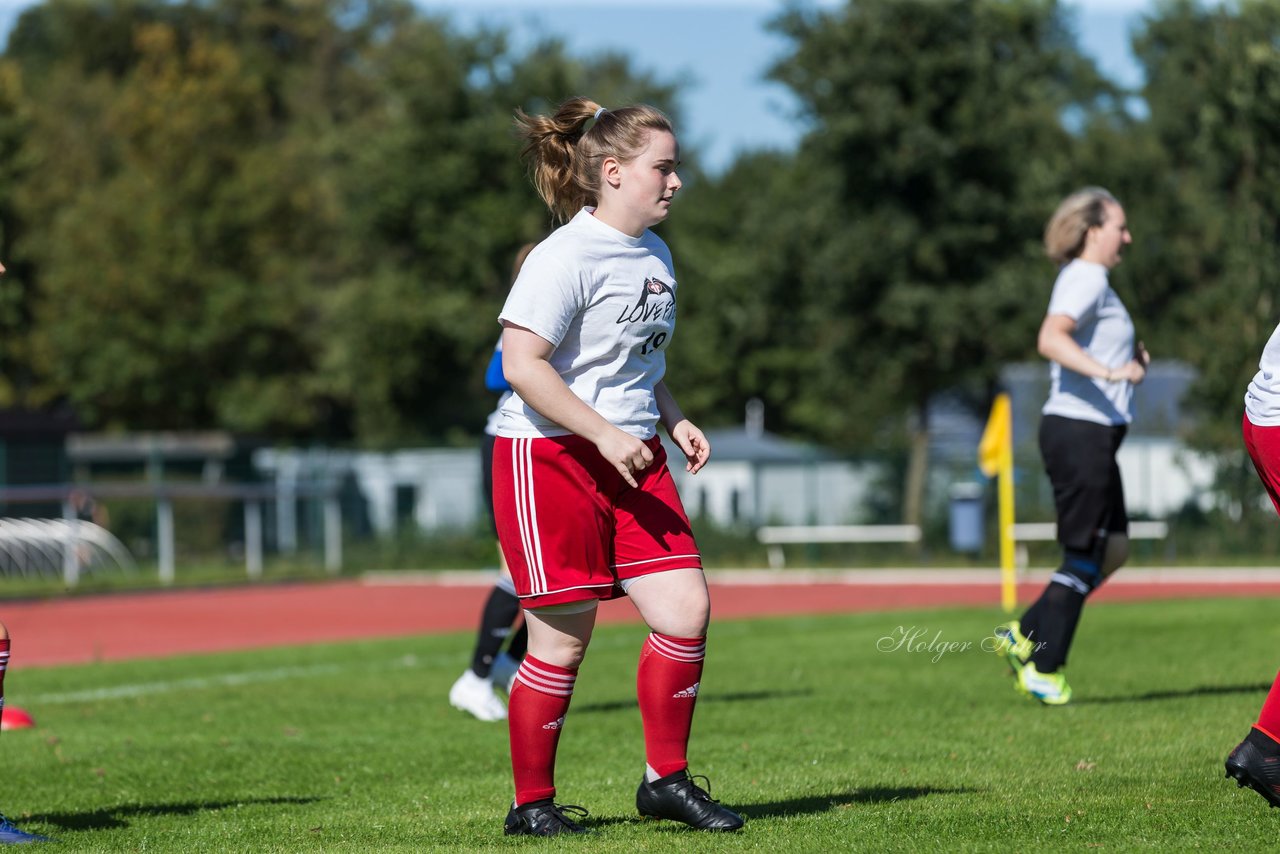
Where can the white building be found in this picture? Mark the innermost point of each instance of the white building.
(755, 478)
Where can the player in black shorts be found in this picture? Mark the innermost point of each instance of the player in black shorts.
(1089, 337)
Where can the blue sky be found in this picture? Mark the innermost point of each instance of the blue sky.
(718, 50)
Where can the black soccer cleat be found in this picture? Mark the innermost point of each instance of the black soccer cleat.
(676, 797)
(543, 818)
(1256, 763)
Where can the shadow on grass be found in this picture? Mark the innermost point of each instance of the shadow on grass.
(826, 803)
(803, 806)
(1202, 691)
(738, 697)
(115, 817)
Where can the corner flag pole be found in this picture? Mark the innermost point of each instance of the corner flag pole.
(995, 458)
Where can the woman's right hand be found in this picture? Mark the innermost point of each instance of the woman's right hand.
(1135, 370)
(625, 453)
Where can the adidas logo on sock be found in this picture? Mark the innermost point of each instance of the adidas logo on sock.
(691, 691)
(556, 724)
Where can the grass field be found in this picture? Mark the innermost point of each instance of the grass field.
(825, 732)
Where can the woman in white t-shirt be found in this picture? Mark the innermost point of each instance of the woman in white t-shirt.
(586, 507)
(1088, 336)
(1255, 762)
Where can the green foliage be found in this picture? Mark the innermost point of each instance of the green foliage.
(15, 299)
(824, 731)
(1214, 93)
(745, 331)
(924, 242)
(298, 219)
(292, 219)
(897, 253)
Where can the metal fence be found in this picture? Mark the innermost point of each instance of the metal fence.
(30, 546)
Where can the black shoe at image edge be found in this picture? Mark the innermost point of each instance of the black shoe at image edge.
(1255, 763)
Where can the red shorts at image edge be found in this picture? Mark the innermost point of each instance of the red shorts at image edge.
(1263, 444)
(571, 528)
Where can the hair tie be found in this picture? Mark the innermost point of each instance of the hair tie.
(598, 112)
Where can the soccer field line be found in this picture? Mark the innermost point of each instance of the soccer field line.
(254, 677)
(227, 680)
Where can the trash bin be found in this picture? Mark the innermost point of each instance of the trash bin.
(966, 517)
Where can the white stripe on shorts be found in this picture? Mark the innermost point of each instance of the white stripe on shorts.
(689, 557)
(527, 513)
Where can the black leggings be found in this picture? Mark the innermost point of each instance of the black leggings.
(1080, 458)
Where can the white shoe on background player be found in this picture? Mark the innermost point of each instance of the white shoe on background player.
(476, 697)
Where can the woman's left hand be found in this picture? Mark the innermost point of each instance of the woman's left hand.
(696, 448)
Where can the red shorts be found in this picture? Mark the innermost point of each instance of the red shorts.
(571, 528)
(1263, 444)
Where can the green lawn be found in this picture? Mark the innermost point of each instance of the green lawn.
(823, 737)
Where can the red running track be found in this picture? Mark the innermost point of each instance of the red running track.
(146, 625)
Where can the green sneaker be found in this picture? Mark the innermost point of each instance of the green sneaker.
(1049, 688)
(1013, 646)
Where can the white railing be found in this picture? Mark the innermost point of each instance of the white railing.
(775, 536)
(1028, 531)
(33, 546)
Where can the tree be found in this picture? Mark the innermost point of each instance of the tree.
(438, 203)
(939, 134)
(747, 326)
(295, 219)
(15, 299)
(172, 273)
(1213, 89)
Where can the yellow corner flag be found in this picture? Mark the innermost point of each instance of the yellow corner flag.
(995, 458)
(997, 437)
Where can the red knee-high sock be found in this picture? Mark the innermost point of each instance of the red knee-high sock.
(667, 685)
(535, 715)
(1269, 717)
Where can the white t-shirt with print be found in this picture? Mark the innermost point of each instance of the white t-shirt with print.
(1262, 400)
(1105, 331)
(607, 301)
